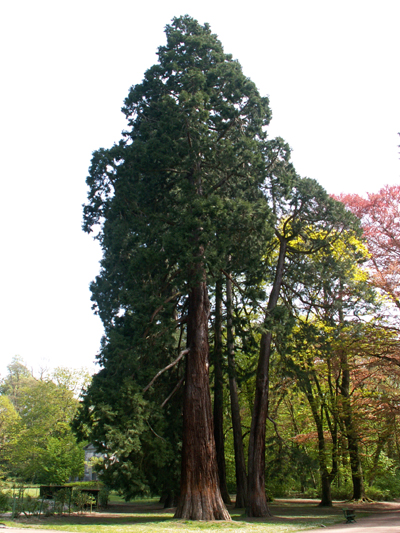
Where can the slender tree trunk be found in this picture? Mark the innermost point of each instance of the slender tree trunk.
(326, 476)
(326, 492)
(219, 395)
(256, 498)
(351, 434)
(240, 463)
(257, 501)
(200, 497)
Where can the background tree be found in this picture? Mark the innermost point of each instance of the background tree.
(379, 214)
(307, 220)
(17, 377)
(240, 463)
(9, 424)
(336, 302)
(42, 447)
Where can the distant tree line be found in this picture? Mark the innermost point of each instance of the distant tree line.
(37, 443)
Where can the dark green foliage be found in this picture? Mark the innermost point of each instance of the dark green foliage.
(182, 188)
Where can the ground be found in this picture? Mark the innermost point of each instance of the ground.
(288, 516)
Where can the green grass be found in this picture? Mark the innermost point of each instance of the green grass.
(147, 517)
(31, 490)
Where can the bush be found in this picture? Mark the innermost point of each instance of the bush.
(4, 501)
(343, 490)
(378, 494)
(30, 506)
(103, 497)
(311, 493)
(278, 488)
(62, 499)
(83, 500)
(384, 479)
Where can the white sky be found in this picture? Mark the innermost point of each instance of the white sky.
(330, 68)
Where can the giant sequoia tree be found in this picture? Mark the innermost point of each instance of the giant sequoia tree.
(171, 202)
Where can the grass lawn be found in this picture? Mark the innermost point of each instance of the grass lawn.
(32, 490)
(148, 517)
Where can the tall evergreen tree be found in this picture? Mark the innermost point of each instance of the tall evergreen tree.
(177, 196)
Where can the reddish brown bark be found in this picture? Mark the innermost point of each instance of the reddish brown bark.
(200, 497)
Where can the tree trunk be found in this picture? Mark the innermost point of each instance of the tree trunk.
(200, 497)
(240, 463)
(256, 498)
(326, 496)
(326, 478)
(257, 501)
(219, 395)
(354, 453)
(351, 433)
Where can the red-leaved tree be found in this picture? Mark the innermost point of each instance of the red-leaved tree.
(380, 219)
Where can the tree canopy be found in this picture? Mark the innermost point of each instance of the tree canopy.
(379, 214)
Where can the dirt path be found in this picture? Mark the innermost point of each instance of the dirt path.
(389, 522)
(26, 530)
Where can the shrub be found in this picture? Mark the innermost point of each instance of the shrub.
(103, 497)
(4, 501)
(378, 494)
(82, 500)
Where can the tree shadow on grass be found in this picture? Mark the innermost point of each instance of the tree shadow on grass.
(290, 512)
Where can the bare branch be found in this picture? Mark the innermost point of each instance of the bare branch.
(184, 352)
(177, 386)
(276, 428)
(162, 305)
(154, 433)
